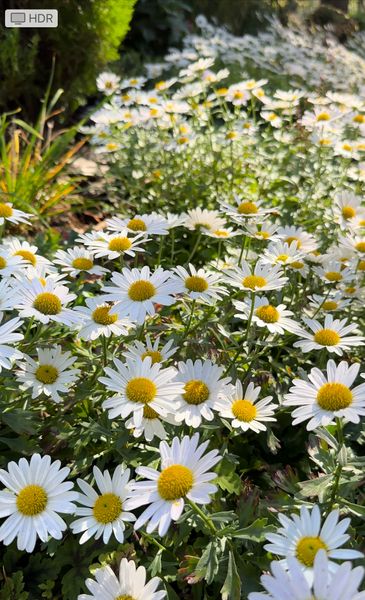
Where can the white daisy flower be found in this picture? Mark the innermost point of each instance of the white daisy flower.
(306, 242)
(244, 209)
(282, 253)
(263, 278)
(130, 585)
(9, 264)
(184, 475)
(199, 284)
(8, 296)
(77, 260)
(152, 349)
(347, 206)
(115, 245)
(152, 224)
(46, 301)
(332, 335)
(139, 383)
(244, 410)
(8, 336)
(26, 251)
(263, 230)
(175, 220)
(303, 535)
(49, 374)
(329, 303)
(275, 318)
(152, 424)
(137, 291)
(292, 584)
(198, 218)
(325, 397)
(108, 83)
(333, 272)
(8, 213)
(354, 243)
(222, 234)
(34, 495)
(203, 385)
(102, 513)
(96, 319)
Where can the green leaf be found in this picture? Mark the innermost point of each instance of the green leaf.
(228, 480)
(256, 532)
(231, 589)
(208, 563)
(315, 487)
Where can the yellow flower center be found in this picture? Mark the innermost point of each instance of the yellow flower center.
(244, 410)
(254, 281)
(333, 276)
(5, 210)
(221, 233)
(3, 262)
(82, 264)
(196, 392)
(111, 146)
(323, 117)
(141, 290)
(47, 374)
(297, 265)
(137, 225)
(155, 355)
(47, 303)
(348, 212)
(307, 548)
(347, 147)
(361, 265)
(149, 413)
(26, 255)
(247, 208)
(231, 135)
(360, 246)
(359, 119)
(263, 234)
(291, 239)
(141, 389)
(175, 482)
(334, 396)
(327, 337)
(31, 500)
(124, 597)
(267, 313)
(102, 317)
(350, 290)
(196, 284)
(329, 305)
(282, 257)
(107, 508)
(119, 244)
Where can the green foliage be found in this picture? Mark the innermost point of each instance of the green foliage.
(88, 37)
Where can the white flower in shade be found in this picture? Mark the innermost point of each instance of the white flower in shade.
(324, 397)
(203, 385)
(292, 584)
(329, 303)
(77, 260)
(8, 213)
(275, 318)
(34, 495)
(306, 242)
(95, 319)
(199, 284)
(333, 272)
(8, 296)
(154, 350)
(303, 535)
(262, 278)
(244, 410)
(102, 512)
(282, 253)
(9, 264)
(8, 335)
(116, 245)
(151, 424)
(45, 301)
(332, 335)
(354, 243)
(49, 374)
(184, 475)
(137, 291)
(263, 230)
(244, 209)
(108, 83)
(347, 206)
(139, 383)
(198, 218)
(175, 220)
(130, 585)
(152, 224)
(26, 251)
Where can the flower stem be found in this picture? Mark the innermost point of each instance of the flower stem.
(204, 517)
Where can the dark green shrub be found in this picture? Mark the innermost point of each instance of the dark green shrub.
(88, 37)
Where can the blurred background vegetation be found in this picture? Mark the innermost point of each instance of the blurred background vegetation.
(91, 34)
